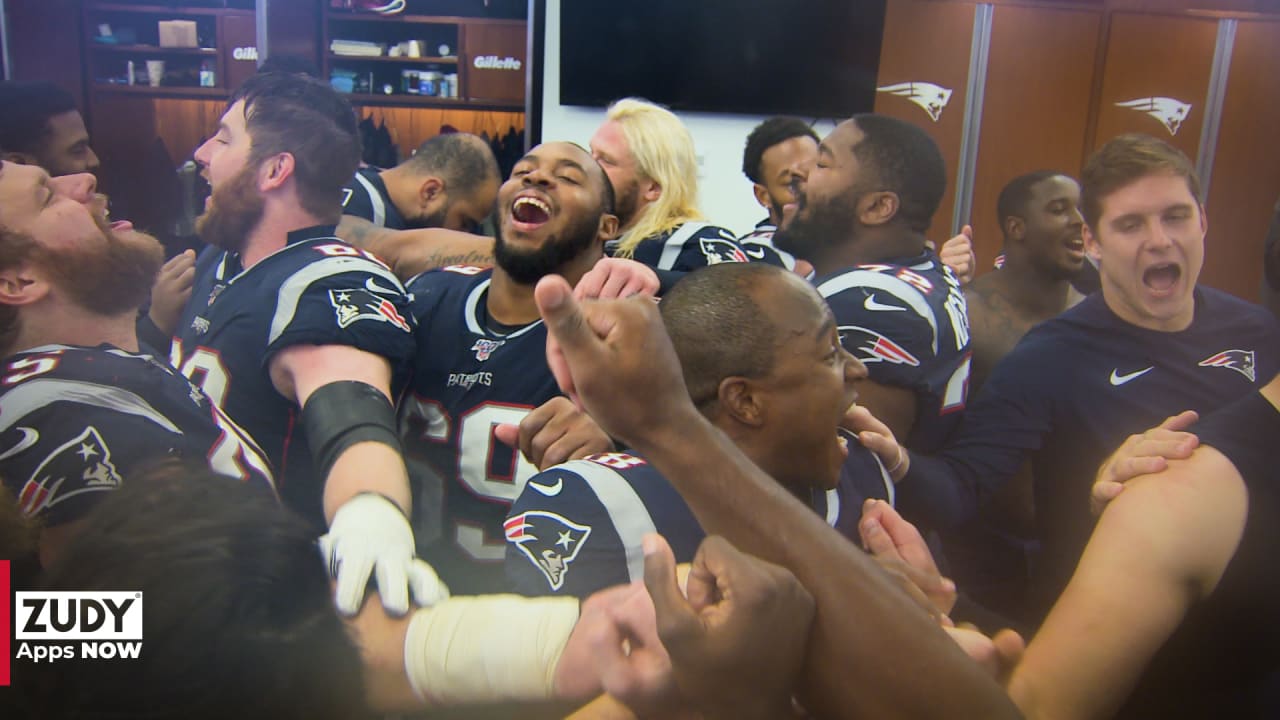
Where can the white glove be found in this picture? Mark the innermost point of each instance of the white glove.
(369, 534)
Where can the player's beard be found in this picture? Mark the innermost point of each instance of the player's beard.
(107, 278)
(234, 211)
(626, 201)
(529, 266)
(827, 222)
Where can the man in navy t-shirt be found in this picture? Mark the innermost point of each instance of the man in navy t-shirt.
(1150, 345)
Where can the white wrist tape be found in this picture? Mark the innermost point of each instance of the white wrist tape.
(487, 648)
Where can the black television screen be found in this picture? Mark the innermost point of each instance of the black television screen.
(815, 58)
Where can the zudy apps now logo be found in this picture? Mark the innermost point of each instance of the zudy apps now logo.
(65, 625)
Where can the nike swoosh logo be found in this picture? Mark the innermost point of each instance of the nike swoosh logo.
(374, 287)
(757, 254)
(871, 304)
(549, 490)
(29, 438)
(1117, 379)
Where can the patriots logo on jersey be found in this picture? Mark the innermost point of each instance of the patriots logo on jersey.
(484, 348)
(719, 251)
(360, 304)
(85, 461)
(1239, 360)
(550, 542)
(871, 347)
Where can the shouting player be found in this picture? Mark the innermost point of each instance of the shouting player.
(80, 411)
(301, 338)
(763, 362)
(1151, 344)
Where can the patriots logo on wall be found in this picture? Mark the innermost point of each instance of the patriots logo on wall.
(1170, 112)
(550, 542)
(721, 251)
(872, 347)
(930, 97)
(360, 304)
(1239, 360)
(484, 348)
(84, 461)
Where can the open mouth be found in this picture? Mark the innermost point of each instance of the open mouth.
(121, 226)
(1162, 278)
(529, 212)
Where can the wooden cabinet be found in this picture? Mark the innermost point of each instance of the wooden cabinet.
(425, 60)
(123, 48)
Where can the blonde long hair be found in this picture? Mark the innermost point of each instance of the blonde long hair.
(663, 152)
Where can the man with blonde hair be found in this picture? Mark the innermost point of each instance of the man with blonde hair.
(649, 157)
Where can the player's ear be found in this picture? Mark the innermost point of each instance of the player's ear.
(275, 171)
(1015, 227)
(20, 285)
(762, 195)
(742, 400)
(878, 208)
(430, 189)
(1091, 243)
(608, 227)
(651, 189)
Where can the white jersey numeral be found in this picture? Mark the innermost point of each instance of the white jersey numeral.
(477, 448)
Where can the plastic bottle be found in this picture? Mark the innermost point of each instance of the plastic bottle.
(207, 78)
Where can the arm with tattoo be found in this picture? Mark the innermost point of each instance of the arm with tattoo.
(409, 252)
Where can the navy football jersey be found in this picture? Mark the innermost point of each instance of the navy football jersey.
(317, 290)
(76, 422)
(365, 196)
(907, 322)
(1068, 395)
(686, 248)
(469, 375)
(758, 245)
(577, 528)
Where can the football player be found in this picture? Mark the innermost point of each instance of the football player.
(450, 182)
(299, 337)
(420, 214)
(481, 362)
(649, 156)
(861, 223)
(777, 158)
(763, 362)
(616, 359)
(81, 411)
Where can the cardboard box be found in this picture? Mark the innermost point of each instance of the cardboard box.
(178, 34)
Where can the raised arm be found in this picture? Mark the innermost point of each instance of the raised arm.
(870, 644)
(1140, 573)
